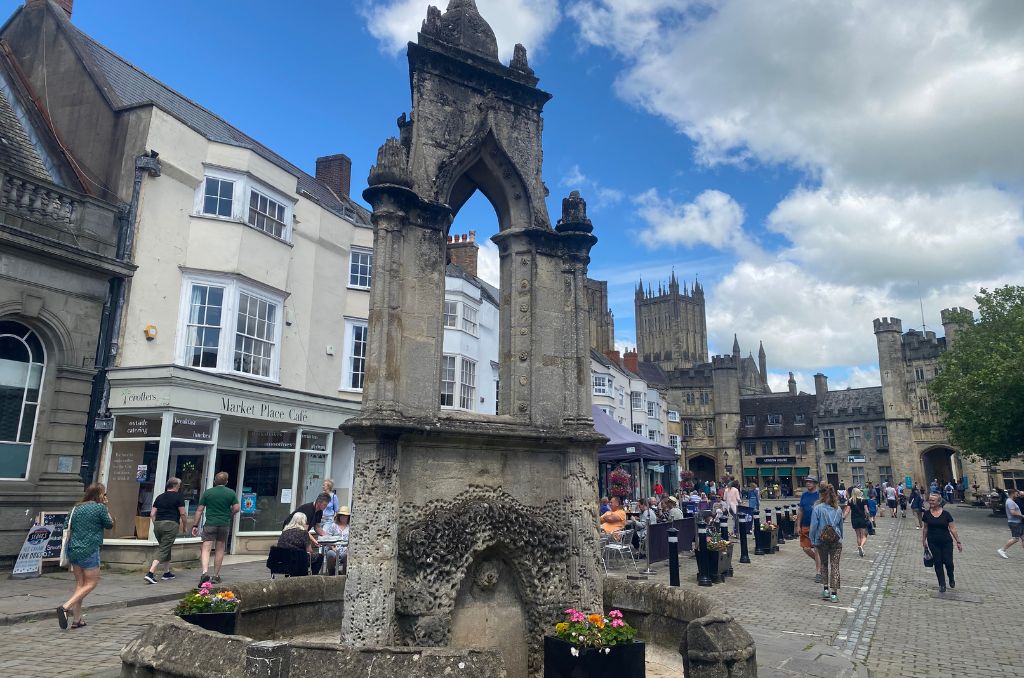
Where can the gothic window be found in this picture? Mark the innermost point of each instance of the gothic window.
(922, 404)
(704, 398)
(687, 429)
(919, 373)
(21, 377)
(710, 427)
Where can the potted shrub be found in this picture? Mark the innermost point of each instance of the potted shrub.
(213, 611)
(593, 646)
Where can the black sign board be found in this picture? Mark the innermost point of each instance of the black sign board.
(776, 460)
(54, 520)
(192, 428)
(137, 426)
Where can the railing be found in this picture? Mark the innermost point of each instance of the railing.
(57, 213)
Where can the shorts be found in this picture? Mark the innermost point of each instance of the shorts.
(165, 531)
(90, 562)
(891, 503)
(805, 538)
(1017, 530)
(216, 533)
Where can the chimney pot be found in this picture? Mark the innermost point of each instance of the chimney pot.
(631, 361)
(820, 384)
(463, 252)
(334, 172)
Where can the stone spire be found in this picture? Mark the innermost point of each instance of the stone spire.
(462, 26)
(735, 346)
(762, 364)
(792, 384)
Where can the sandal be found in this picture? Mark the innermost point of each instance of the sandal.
(62, 617)
(78, 624)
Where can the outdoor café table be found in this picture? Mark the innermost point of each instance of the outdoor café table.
(326, 544)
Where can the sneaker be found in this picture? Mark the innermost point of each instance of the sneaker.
(942, 588)
(817, 578)
(952, 583)
(167, 576)
(834, 598)
(860, 550)
(150, 578)
(824, 594)
(1002, 553)
(205, 578)
(216, 579)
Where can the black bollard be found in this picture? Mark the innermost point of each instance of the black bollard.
(703, 576)
(723, 526)
(744, 529)
(778, 522)
(786, 522)
(792, 522)
(758, 551)
(673, 556)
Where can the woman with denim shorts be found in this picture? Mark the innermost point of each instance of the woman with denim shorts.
(87, 521)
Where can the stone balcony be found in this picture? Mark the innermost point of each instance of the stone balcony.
(51, 217)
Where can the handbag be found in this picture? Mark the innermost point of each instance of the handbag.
(929, 561)
(64, 539)
(871, 528)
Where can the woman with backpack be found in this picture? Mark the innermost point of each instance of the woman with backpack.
(827, 537)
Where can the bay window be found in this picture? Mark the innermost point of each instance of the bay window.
(234, 196)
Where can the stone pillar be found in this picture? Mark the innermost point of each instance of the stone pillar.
(372, 577)
(268, 659)
(579, 482)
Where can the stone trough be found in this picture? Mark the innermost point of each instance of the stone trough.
(278, 618)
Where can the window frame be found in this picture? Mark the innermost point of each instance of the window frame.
(854, 438)
(605, 384)
(828, 439)
(445, 369)
(243, 186)
(24, 397)
(673, 415)
(233, 289)
(466, 324)
(881, 437)
(347, 356)
(454, 315)
(284, 221)
(465, 362)
(775, 420)
(361, 251)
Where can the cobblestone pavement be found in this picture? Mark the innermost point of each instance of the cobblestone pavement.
(963, 633)
(39, 649)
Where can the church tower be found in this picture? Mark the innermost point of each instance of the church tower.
(671, 325)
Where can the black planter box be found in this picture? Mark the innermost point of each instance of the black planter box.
(221, 622)
(775, 540)
(763, 541)
(718, 565)
(622, 661)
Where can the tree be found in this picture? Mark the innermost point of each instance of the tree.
(980, 385)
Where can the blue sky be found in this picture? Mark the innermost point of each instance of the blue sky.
(815, 164)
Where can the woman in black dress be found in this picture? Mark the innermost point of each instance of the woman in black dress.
(857, 508)
(939, 539)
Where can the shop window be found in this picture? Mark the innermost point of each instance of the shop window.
(21, 377)
(228, 326)
(360, 269)
(267, 477)
(131, 474)
(354, 364)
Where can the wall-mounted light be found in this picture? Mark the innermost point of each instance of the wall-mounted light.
(150, 332)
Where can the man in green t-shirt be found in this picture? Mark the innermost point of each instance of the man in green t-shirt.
(220, 505)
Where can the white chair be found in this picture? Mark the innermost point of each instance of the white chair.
(621, 543)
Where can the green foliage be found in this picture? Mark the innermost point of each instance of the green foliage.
(980, 385)
(594, 630)
(203, 599)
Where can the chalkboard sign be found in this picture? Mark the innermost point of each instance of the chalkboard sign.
(192, 428)
(56, 521)
(137, 426)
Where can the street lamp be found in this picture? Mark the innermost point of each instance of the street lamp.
(817, 452)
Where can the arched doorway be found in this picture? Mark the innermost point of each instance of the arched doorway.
(21, 376)
(703, 467)
(939, 465)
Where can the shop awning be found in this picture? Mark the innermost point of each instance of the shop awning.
(747, 472)
(803, 471)
(767, 471)
(784, 471)
(624, 445)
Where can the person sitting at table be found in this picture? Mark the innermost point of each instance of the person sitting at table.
(338, 528)
(296, 536)
(314, 512)
(614, 519)
(674, 512)
(603, 506)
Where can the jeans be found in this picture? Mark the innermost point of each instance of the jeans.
(942, 552)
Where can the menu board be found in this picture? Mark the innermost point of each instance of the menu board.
(192, 428)
(123, 486)
(311, 440)
(130, 426)
(55, 520)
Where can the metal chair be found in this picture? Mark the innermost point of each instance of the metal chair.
(621, 543)
(289, 562)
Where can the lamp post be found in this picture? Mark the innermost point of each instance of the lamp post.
(817, 452)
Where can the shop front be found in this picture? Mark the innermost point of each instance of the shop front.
(778, 477)
(277, 449)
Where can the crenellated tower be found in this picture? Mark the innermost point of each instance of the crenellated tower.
(671, 325)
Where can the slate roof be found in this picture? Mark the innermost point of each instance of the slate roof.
(125, 86)
(852, 402)
(653, 374)
(760, 406)
(488, 290)
(16, 149)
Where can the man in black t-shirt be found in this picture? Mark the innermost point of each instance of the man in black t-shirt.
(314, 511)
(168, 514)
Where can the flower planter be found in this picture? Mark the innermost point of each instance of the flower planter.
(718, 565)
(763, 540)
(620, 661)
(221, 622)
(775, 540)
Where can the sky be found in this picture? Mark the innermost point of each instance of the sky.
(815, 165)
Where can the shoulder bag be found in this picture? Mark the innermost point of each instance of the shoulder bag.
(929, 561)
(64, 540)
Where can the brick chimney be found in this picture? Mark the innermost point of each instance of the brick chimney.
(463, 252)
(333, 171)
(820, 384)
(615, 357)
(631, 361)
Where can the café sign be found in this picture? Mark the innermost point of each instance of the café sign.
(776, 460)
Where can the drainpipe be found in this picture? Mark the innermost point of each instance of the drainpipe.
(110, 323)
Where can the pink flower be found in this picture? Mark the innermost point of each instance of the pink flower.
(615, 614)
(571, 610)
(616, 623)
(577, 617)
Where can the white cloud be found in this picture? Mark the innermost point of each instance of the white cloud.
(713, 218)
(530, 22)
(596, 195)
(487, 263)
(622, 345)
(857, 377)
(779, 382)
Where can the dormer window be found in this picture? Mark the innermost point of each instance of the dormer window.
(239, 197)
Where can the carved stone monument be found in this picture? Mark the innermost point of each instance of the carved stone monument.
(473, 530)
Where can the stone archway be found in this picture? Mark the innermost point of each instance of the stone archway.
(703, 467)
(939, 463)
(475, 125)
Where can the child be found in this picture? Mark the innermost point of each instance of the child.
(873, 510)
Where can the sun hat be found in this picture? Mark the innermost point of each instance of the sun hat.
(344, 510)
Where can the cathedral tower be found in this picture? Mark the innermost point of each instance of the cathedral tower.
(671, 325)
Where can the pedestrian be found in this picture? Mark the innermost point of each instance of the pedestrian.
(803, 516)
(219, 504)
(842, 494)
(732, 498)
(872, 492)
(659, 489)
(603, 506)
(332, 505)
(88, 519)
(938, 539)
(949, 491)
(934, 486)
(614, 520)
(890, 500)
(860, 518)
(826, 534)
(903, 505)
(917, 504)
(168, 515)
(873, 511)
(754, 498)
(1015, 519)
